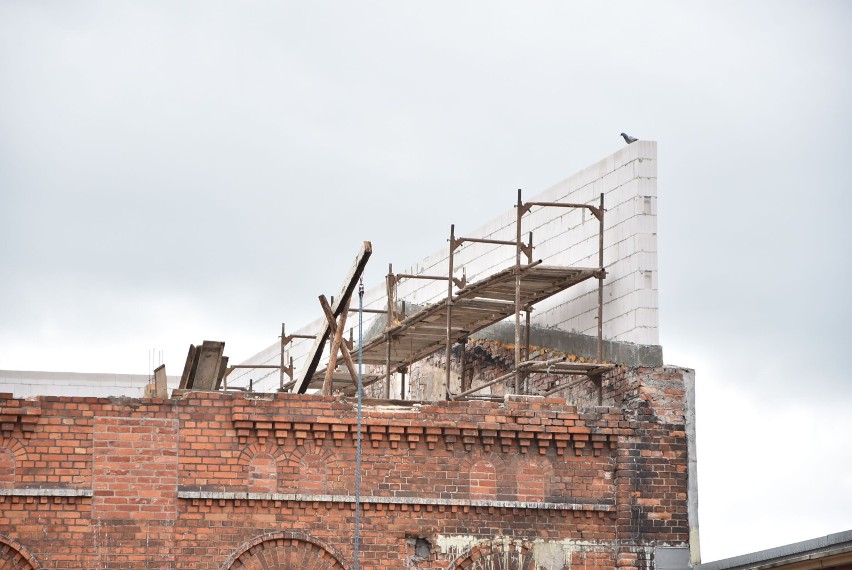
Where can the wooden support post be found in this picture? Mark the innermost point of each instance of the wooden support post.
(339, 329)
(314, 356)
(344, 351)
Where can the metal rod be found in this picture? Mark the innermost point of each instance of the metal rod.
(527, 337)
(560, 205)
(289, 338)
(600, 279)
(564, 386)
(484, 240)
(449, 310)
(281, 371)
(389, 284)
(375, 311)
(486, 385)
(463, 343)
(519, 213)
(528, 309)
(359, 384)
(410, 276)
(530, 249)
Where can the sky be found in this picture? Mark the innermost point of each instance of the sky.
(173, 172)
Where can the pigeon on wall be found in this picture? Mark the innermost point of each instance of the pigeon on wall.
(628, 139)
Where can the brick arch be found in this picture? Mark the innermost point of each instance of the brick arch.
(478, 469)
(534, 476)
(262, 465)
(285, 551)
(13, 556)
(12, 452)
(496, 555)
(313, 470)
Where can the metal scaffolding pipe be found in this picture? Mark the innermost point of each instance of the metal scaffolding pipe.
(450, 310)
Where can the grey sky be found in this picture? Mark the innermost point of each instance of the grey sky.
(176, 172)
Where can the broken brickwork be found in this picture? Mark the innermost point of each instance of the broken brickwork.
(238, 481)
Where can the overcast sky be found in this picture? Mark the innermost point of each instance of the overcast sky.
(173, 172)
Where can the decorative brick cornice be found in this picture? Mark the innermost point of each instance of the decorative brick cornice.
(559, 429)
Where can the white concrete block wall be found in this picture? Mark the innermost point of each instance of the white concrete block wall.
(26, 384)
(561, 236)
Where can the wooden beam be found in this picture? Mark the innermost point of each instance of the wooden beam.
(344, 350)
(341, 301)
(339, 327)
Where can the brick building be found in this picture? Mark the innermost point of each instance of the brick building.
(234, 480)
(601, 477)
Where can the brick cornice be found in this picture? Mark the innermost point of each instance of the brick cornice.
(550, 424)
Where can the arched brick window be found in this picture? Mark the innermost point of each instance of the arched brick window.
(483, 480)
(285, 551)
(15, 557)
(313, 475)
(7, 469)
(263, 474)
(533, 479)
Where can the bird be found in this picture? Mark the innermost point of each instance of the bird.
(628, 139)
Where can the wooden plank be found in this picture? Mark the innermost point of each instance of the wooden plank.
(209, 360)
(341, 301)
(188, 367)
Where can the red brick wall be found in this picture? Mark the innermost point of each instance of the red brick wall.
(220, 481)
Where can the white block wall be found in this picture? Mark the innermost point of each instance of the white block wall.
(561, 236)
(25, 384)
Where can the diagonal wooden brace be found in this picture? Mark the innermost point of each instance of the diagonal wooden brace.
(337, 345)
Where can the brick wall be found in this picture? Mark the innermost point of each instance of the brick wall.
(221, 481)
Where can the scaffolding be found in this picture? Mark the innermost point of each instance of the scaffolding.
(467, 309)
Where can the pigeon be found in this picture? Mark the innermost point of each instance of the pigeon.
(628, 139)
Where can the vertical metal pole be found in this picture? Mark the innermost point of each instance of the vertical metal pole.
(391, 304)
(450, 311)
(358, 448)
(518, 294)
(600, 278)
(527, 310)
(281, 370)
(462, 364)
(402, 383)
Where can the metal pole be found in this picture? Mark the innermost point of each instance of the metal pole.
(600, 279)
(281, 372)
(518, 294)
(358, 450)
(450, 310)
(527, 342)
(527, 311)
(462, 363)
(389, 287)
